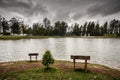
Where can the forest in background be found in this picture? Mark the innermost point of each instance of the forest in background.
(15, 26)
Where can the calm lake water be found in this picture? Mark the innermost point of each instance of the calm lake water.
(102, 51)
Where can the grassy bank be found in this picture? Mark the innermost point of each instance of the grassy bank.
(29, 37)
(42, 37)
(61, 70)
(21, 37)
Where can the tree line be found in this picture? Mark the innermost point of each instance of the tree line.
(60, 28)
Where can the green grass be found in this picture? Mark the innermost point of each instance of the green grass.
(60, 70)
(54, 74)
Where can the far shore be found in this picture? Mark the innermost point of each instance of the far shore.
(43, 37)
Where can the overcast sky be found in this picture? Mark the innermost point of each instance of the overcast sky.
(71, 11)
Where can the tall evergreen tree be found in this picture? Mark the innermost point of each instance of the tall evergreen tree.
(1, 25)
(35, 30)
(88, 29)
(91, 28)
(47, 25)
(46, 22)
(60, 28)
(15, 26)
(97, 30)
(23, 28)
(29, 31)
(5, 26)
(76, 30)
(105, 26)
(84, 29)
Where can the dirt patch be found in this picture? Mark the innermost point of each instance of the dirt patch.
(18, 66)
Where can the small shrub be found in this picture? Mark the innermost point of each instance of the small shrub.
(47, 59)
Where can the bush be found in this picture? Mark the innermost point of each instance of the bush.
(47, 59)
(6, 33)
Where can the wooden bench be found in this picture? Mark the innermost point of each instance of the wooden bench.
(33, 54)
(82, 58)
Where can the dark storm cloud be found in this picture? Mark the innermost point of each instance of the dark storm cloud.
(106, 7)
(24, 7)
(14, 3)
(64, 8)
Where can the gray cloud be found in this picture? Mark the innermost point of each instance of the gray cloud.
(14, 3)
(106, 7)
(24, 7)
(36, 10)
(77, 16)
(62, 16)
(64, 8)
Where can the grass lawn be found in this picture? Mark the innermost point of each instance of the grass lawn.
(60, 70)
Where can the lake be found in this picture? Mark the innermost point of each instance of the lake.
(105, 51)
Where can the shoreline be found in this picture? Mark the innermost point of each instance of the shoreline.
(45, 37)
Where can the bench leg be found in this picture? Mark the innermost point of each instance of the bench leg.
(30, 58)
(85, 65)
(36, 58)
(74, 64)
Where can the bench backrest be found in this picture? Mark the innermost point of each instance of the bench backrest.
(80, 57)
(33, 54)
